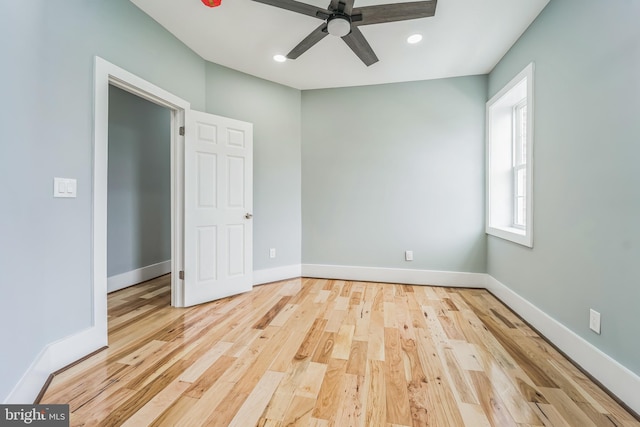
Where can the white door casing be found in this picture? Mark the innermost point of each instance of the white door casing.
(218, 191)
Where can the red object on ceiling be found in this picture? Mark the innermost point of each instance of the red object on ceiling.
(212, 3)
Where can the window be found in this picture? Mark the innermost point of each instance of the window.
(509, 160)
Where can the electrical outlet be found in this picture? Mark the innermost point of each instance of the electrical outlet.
(408, 255)
(272, 253)
(594, 321)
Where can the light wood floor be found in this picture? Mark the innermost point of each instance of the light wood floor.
(312, 352)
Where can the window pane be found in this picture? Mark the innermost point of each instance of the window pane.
(523, 134)
(521, 182)
(521, 212)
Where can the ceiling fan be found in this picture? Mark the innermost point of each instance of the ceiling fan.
(341, 19)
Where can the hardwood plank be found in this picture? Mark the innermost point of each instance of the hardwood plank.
(134, 314)
(461, 383)
(324, 349)
(312, 380)
(375, 350)
(398, 408)
(282, 317)
(329, 396)
(139, 355)
(358, 358)
(311, 340)
(566, 407)
(349, 412)
(335, 320)
(94, 413)
(390, 318)
(512, 399)
(491, 402)
(305, 320)
(363, 320)
(342, 347)
(549, 415)
(243, 342)
(376, 394)
(417, 386)
(208, 378)
(466, 355)
(286, 390)
(272, 313)
(529, 364)
(157, 405)
(473, 415)
(172, 414)
(313, 352)
(251, 410)
(299, 412)
(125, 410)
(441, 406)
(203, 408)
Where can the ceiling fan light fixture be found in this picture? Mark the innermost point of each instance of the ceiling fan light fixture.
(339, 26)
(414, 38)
(279, 58)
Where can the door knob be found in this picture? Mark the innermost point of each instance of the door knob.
(248, 215)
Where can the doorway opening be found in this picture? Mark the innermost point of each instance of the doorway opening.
(139, 190)
(108, 75)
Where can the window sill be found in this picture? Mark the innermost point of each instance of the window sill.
(515, 235)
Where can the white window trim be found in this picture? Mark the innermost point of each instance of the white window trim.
(522, 236)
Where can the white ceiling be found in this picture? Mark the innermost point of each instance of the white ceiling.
(465, 37)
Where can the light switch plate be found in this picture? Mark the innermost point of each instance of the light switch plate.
(594, 321)
(64, 187)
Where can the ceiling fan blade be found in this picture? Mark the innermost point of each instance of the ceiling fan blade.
(313, 38)
(394, 12)
(343, 6)
(359, 45)
(348, 6)
(296, 6)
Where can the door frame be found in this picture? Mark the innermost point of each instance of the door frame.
(105, 74)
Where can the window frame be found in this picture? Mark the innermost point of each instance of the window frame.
(501, 166)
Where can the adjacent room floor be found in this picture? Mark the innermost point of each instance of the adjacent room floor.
(313, 352)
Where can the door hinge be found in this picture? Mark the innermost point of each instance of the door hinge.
(181, 275)
(181, 130)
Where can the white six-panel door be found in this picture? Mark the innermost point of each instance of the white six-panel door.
(218, 194)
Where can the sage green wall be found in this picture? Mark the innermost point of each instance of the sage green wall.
(48, 51)
(395, 167)
(22, 314)
(45, 244)
(139, 187)
(586, 235)
(274, 111)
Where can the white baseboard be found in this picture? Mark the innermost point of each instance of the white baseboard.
(269, 275)
(619, 380)
(124, 280)
(396, 275)
(53, 357)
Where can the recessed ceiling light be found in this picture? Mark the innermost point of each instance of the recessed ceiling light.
(279, 58)
(415, 38)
